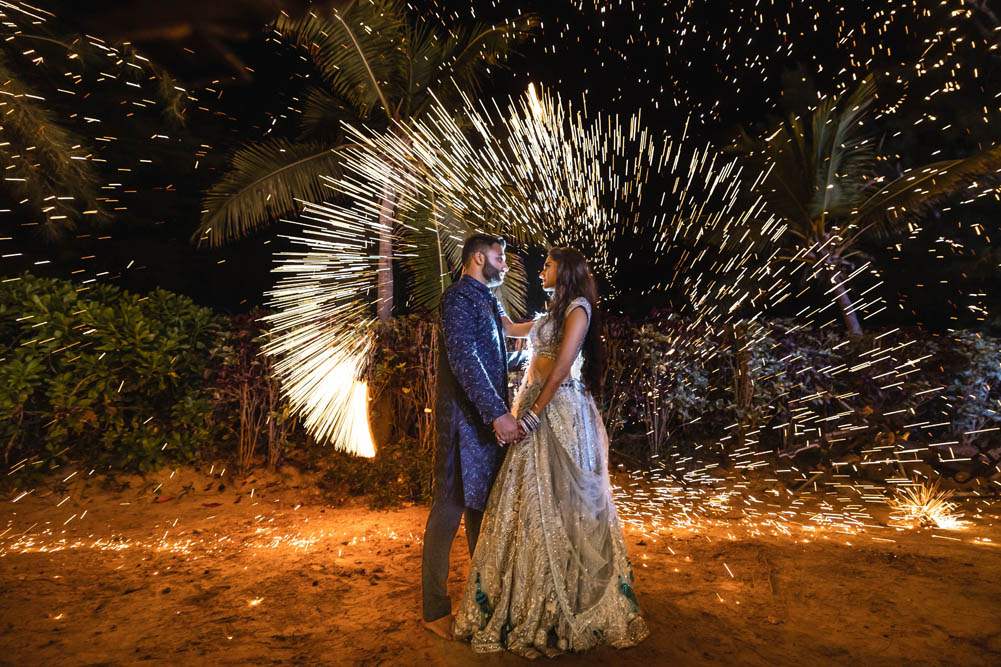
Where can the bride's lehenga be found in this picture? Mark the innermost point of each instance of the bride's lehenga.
(550, 572)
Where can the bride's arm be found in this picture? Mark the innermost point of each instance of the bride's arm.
(573, 335)
(514, 330)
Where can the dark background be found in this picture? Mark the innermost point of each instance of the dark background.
(715, 66)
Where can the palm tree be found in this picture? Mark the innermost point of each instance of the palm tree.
(48, 172)
(822, 182)
(384, 70)
(52, 171)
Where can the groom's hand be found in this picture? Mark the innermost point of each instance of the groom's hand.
(506, 428)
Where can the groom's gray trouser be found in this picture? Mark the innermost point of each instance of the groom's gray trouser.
(442, 525)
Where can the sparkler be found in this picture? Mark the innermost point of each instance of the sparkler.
(587, 176)
(926, 504)
(566, 178)
(320, 330)
(589, 179)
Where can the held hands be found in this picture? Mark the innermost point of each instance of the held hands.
(504, 424)
(506, 429)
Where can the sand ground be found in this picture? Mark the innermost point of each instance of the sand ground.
(268, 571)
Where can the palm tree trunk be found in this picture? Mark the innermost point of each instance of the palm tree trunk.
(384, 295)
(743, 390)
(845, 301)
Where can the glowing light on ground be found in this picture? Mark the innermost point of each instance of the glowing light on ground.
(925, 504)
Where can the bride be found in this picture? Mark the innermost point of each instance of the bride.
(550, 572)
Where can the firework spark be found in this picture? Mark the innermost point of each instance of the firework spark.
(564, 177)
(926, 504)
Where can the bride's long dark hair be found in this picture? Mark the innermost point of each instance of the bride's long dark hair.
(574, 279)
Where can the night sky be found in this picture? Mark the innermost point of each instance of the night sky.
(701, 67)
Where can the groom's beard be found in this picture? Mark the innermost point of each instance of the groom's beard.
(492, 275)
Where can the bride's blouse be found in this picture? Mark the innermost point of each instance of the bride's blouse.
(544, 342)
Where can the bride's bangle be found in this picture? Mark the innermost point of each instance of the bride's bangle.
(529, 422)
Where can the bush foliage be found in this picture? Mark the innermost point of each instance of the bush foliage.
(401, 394)
(114, 379)
(104, 375)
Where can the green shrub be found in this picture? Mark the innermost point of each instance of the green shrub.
(246, 396)
(113, 379)
(670, 380)
(971, 365)
(400, 471)
(102, 375)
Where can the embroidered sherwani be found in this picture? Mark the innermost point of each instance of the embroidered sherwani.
(472, 393)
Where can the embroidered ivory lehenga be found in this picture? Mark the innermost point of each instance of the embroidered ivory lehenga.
(550, 572)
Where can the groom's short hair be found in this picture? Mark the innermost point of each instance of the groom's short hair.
(479, 243)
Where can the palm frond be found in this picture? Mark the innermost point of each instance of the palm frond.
(819, 170)
(139, 69)
(789, 186)
(264, 181)
(461, 61)
(430, 249)
(452, 233)
(427, 281)
(173, 98)
(322, 117)
(360, 51)
(471, 51)
(844, 151)
(47, 165)
(892, 205)
(423, 256)
(424, 55)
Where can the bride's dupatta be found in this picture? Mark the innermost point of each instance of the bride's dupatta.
(577, 514)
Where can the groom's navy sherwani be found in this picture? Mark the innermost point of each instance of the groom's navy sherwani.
(472, 392)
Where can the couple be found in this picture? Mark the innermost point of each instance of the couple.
(549, 569)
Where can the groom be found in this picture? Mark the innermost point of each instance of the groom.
(473, 417)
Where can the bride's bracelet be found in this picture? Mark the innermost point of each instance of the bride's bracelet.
(529, 422)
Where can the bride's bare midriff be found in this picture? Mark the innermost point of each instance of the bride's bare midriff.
(539, 369)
